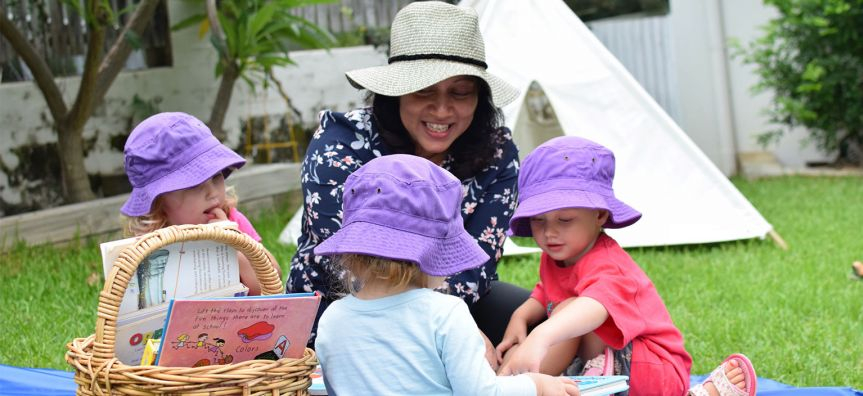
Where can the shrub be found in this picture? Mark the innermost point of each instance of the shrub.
(811, 58)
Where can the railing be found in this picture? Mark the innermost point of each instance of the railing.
(351, 15)
(60, 35)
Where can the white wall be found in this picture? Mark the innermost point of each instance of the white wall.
(741, 20)
(699, 63)
(718, 109)
(316, 82)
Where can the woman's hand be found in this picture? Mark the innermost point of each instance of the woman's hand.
(547, 385)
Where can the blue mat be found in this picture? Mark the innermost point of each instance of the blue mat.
(769, 387)
(16, 381)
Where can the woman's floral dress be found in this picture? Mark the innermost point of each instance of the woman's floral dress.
(346, 141)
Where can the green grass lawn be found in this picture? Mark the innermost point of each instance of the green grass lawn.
(797, 314)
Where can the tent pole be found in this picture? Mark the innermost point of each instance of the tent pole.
(778, 239)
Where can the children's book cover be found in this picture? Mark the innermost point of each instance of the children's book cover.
(601, 385)
(136, 328)
(202, 332)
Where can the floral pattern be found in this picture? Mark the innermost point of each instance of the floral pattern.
(346, 141)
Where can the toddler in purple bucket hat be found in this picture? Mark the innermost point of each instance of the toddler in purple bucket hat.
(177, 169)
(593, 302)
(402, 234)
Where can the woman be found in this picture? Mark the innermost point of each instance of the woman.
(434, 99)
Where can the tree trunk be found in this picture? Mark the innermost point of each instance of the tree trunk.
(223, 99)
(99, 73)
(70, 146)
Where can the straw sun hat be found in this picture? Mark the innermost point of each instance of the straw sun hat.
(431, 41)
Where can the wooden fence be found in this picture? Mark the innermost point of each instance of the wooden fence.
(59, 35)
(350, 15)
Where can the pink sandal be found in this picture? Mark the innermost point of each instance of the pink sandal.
(724, 385)
(600, 365)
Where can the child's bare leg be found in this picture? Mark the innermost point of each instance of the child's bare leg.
(591, 347)
(559, 357)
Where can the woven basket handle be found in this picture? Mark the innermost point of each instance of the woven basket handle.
(126, 265)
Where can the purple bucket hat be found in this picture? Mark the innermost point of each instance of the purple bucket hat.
(568, 172)
(404, 207)
(169, 152)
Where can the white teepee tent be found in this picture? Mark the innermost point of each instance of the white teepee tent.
(541, 46)
(570, 84)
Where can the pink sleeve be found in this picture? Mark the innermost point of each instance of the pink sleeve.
(243, 224)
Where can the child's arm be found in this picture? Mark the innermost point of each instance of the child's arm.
(469, 374)
(248, 276)
(529, 313)
(579, 316)
(247, 273)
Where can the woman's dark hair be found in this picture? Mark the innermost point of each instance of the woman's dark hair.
(472, 152)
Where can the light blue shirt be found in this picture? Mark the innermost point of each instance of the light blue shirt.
(419, 342)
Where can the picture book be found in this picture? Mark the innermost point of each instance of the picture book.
(600, 386)
(136, 328)
(150, 352)
(178, 270)
(201, 332)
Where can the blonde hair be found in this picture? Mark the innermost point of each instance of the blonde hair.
(156, 219)
(396, 274)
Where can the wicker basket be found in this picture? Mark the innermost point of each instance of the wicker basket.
(98, 372)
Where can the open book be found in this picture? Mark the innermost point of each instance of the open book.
(600, 386)
(183, 269)
(202, 332)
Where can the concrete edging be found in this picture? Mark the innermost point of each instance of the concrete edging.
(101, 216)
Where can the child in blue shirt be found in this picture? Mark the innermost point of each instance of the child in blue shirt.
(402, 234)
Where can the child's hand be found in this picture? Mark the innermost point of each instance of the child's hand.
(547, 385)
(216, 214)
(490, 353)
(515, 333)
(526, 359)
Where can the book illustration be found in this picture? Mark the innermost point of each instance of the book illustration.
(151, 275)
(201, 332)
(134, 329)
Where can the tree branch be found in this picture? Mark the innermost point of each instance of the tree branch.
(84, 102)
(119, 52)
(41, 72)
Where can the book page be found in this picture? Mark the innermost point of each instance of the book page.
(178, 270)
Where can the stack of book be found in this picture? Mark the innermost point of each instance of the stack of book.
(198, 269)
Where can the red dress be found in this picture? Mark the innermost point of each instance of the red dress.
(660, 364)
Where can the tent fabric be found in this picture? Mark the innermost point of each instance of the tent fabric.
(20, 381)
(684, 197)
